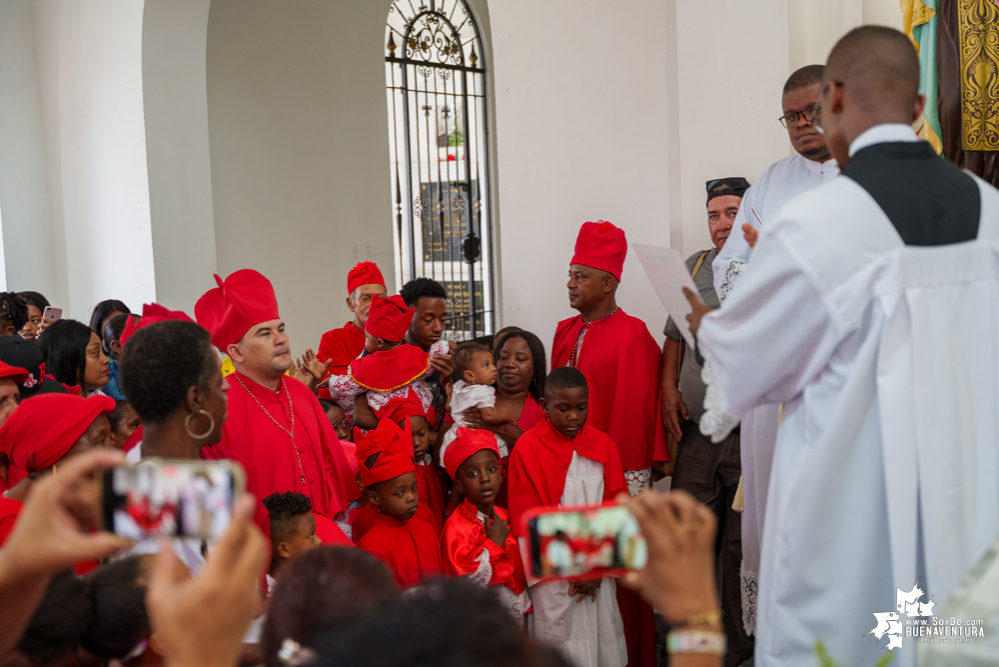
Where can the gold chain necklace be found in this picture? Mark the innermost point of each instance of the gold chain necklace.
(289, 433)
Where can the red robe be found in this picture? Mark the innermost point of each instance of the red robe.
(462, 543)
(330, 533)
(431, 493)
(410, 549)
(268, 454)
(621, 361)
(342, 345)
(364, 518)
(540, 462)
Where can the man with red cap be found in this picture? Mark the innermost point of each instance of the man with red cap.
(621, 361)
(40, 434)
(276, 428)
(408, 546)
(390, 369)
(341, 346)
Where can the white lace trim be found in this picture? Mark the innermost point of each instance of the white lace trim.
(750, 587)
(732, 273)
(638, 480)
(517, 604)
(484, 574)
(715, 422)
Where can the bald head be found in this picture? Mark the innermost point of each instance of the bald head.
(871, 78)
(880, 68)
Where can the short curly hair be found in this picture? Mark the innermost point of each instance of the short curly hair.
(160, 363)
(284, 510)
(14, 308)
(417, 288)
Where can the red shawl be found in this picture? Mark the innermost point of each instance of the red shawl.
(540, 462)
(621, 361)
(462, 543)
(341, 346)
(410, 549)
(390, 369)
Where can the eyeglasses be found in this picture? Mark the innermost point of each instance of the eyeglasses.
(790, 119)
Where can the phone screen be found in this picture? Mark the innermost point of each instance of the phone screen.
(170, 498)
(570, 543)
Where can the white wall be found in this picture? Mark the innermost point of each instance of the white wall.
(90, 79)
(24, 203)
(580, 96)
(299, 150)
(175, 97)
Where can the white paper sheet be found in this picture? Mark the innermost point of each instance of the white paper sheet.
(669, 275)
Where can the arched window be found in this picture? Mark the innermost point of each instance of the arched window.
(438, 134)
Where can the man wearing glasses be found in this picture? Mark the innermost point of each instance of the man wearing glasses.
(785, 179)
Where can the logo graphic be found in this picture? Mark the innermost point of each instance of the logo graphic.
(890, 623)
(30, 381)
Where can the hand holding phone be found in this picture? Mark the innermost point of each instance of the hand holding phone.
(49, 315)
(584, 543)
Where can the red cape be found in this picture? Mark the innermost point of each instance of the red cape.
(390, 369)
(463, 540)
(621, 361)
(268, 454)
(540, 461)
(364, 518)
(410, 549)
(342, 346)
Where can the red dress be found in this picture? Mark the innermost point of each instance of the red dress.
(342, 345)
(314, 464)
(621, 361)
(410, 549)
(431, 493)
(462, 544)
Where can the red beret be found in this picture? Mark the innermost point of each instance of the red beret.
(468, 442)
(246, 298)
(365, 273)
(15, 373)
(151, 314)
(601, 245)
(394, 447)
(39, 432)
(388, 318)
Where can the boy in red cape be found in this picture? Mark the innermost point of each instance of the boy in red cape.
(276, 428)
(428, 483)
(564, 460)
(341, 346)
(621, 362)
(390, 369)
(477, 541)
(408, 546)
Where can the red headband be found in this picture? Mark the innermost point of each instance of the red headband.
(394, 447)
(365, 273)
(151, 314)
(242, 300)
(389, 318)
(467, 443)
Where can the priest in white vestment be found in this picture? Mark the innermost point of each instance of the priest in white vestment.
(871, 310)
(811, 166)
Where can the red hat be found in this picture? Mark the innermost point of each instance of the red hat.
(394, 447)
(228, 311)
(365, 273)
(467, 442)
(40, 431)
(601, 245)
(15, 373)
(402, 407)
(151, 314)
(388, 318)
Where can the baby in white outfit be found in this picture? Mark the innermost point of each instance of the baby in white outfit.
(477, 373)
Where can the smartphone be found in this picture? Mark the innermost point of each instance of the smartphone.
(53, 314)
(584, 542)
(171, 498)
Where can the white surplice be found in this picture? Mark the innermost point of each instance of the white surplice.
(886, 468)
(780, 183)
(590, 632)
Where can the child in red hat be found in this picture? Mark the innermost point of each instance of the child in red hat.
(390, 368)
(408, 546)
(477, 541)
